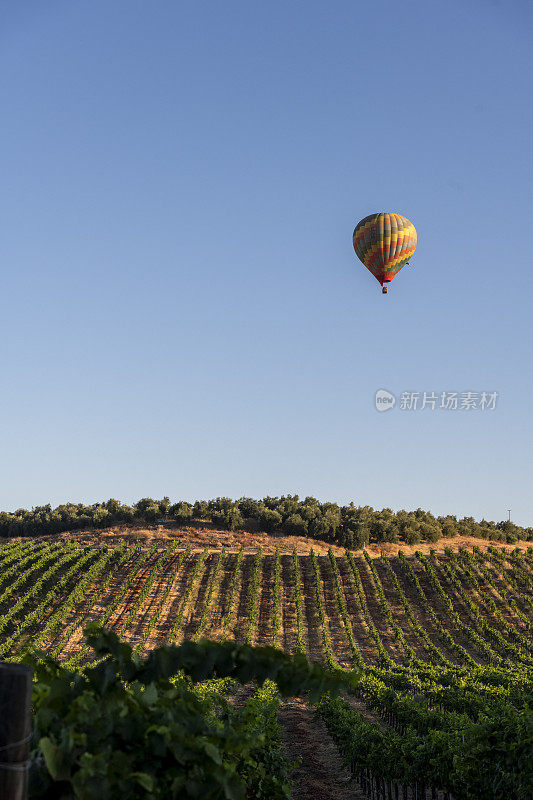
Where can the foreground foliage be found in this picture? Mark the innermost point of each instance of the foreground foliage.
(134, 728)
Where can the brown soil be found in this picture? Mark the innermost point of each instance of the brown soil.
(363, 640)
(337, 633)
(398, 611)
(97, 607)
(78, 615)
(442, 614)
(133, 633)
(118, 619)
(203, 535)
(264, 628)
(243, 605)
(198, 603)
(375, 611)
(319, 773)
(214, 627)
(466, 613)
(288, 635)
(170, 607)
(162, 607)
(419, 612)
(194, 601)
(477, 598)
(213, 600)
(313, 639)
(500, 586)
(156, 605)
(522, 576)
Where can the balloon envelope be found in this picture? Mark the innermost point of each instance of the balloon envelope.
(384, 242)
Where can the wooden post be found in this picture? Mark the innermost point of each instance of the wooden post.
(15, 730)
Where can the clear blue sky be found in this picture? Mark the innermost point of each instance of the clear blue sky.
(183, 312)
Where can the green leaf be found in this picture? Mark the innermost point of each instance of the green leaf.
(53, 758)
(213, 752)
(147, 782)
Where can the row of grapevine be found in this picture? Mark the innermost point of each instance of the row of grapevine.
(343, 610)
(119, 556)
(253, 598)
(385, 608)
(210, 594)
(469, 761)
(500, 588)
(24, 600)
(191, 587)
(442, 630)
(415, 624)
(171, 580)
(477, 640)
(231, 608)
(297, 592)
(154, 573)
(345, 598)
(110, 605)
(477, 622)
(465, 567)
(384, 655)
(329, 655)
(276, 614)
(90, 567)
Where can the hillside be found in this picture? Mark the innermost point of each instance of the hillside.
(201, 535)
(459, 618)
(374, 605)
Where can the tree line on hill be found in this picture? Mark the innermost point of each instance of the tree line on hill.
(348, 526)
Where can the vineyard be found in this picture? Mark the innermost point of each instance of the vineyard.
(441, 644)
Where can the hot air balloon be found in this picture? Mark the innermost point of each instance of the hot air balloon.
(384, 242)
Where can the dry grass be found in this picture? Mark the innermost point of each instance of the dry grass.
(203, 535)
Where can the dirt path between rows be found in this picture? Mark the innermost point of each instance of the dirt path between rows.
(313, 639)
(288, 638)
(264, 627)
(337, 632)
(319, 773)
(167, 610)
